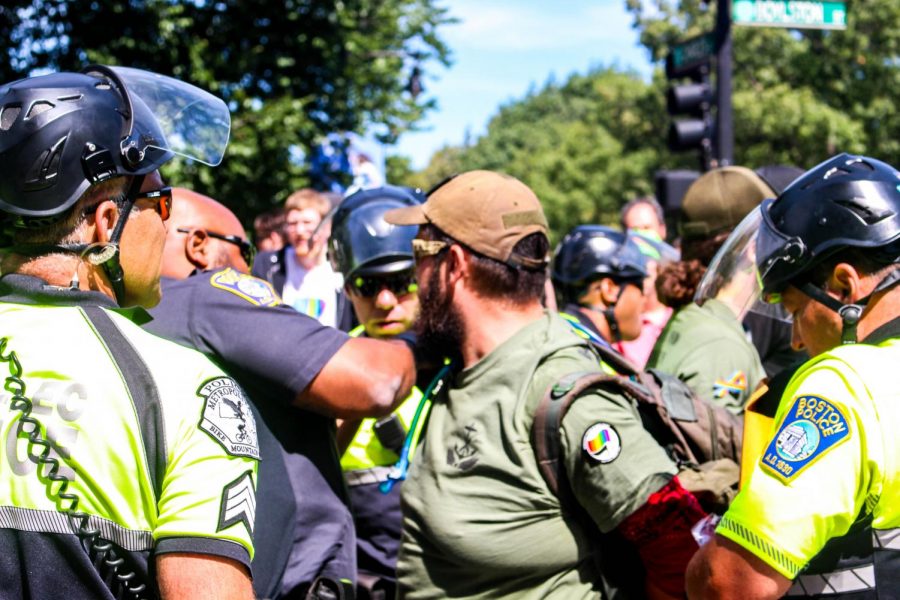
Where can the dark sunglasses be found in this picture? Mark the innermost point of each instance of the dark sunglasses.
(162, 199)
(399, 284)
(248, 250)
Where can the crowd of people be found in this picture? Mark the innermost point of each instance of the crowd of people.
(414, 395)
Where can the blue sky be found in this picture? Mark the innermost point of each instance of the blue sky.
(502, 48)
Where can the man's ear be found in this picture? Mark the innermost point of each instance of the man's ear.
(456, 263)
(197, 248)
(846, 282)
(609, 291)
(106, 215)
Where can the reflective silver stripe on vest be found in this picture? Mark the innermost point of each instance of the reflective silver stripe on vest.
(367, 476)
(836, 582)
(888, 539)
(48, 521)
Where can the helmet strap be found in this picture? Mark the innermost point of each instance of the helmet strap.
(850, 314)
(111, 266)
(609, 313)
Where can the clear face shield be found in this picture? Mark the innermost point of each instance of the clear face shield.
(194, 123)
(735, 277)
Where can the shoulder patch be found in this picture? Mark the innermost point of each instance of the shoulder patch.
(734, 386)
(253, 290)
(238, 503)
(811, 427)
(601, 443)
(227, 417)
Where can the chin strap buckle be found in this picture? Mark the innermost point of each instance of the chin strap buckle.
(850, 315)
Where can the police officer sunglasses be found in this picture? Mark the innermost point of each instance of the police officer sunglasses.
(162, 199)
(248, 250)
(400, 284)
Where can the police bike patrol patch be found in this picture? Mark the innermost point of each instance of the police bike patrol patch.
(227, 417)
(253, 290)
(811, 427)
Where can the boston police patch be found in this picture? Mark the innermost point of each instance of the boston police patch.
(811, 427)
(227, 417)
(251, 289)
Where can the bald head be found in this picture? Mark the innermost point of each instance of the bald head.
(196, 249)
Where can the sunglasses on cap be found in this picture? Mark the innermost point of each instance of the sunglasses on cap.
(399, 284)
(162, 199)
(248, 250)
(422, 248)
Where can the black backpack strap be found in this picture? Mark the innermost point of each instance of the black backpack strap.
(548, 418)
(618, 580)
(142, 389)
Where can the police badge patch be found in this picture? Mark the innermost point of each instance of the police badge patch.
(251, 289)
(811, 427)
(227, 417)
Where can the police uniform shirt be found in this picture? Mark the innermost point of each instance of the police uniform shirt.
(479, 519)
(834, 456)
(274, 352)
(165, 466)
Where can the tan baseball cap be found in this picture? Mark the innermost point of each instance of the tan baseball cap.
(488, 212)
(719, 199)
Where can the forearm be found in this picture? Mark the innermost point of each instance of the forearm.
(201, 577)
(365, 378)
(723, 569)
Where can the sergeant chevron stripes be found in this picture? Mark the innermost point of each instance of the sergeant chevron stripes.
(238, 503)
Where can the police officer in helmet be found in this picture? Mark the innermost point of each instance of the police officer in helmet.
(133, 485)
(376, 259)
(821, 512)
(598, 274)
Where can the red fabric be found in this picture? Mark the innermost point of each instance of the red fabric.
(661, 532)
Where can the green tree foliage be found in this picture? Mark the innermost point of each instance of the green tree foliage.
(585, 147)
(592, 143)
(291, 71)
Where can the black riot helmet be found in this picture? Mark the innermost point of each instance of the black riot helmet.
(64, 132)
(847, 202)
(362, 243)
(591, 252)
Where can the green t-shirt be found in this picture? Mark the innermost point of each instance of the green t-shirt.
(479, 520)
(707, 348)
(834, 455)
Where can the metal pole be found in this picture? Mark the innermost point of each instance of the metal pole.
(724, 115)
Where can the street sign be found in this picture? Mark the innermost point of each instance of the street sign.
(685, 57)
(789, 13)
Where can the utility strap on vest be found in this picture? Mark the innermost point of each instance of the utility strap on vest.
(142, 390)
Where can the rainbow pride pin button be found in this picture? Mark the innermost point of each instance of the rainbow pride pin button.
(601, 442)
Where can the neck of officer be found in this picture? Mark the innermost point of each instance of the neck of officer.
(595, 314)
(488, 322)
(882, 308)
(60, 270)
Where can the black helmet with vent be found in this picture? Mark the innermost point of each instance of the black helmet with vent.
(590, 252)
(63, 132)
(845, 202)
(362, 242)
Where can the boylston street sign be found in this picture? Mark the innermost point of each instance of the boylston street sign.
(790, 13)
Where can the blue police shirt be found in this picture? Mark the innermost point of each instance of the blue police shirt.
(274, 352)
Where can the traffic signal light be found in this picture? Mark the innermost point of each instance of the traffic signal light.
(690, 97)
